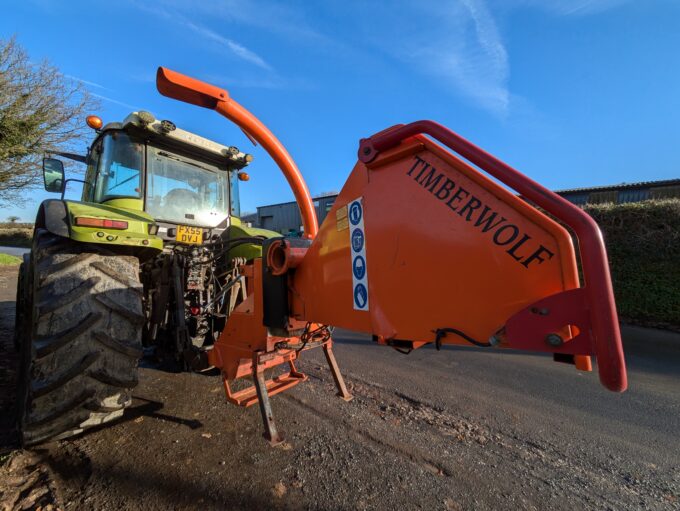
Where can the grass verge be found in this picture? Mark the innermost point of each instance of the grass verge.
(9, 260)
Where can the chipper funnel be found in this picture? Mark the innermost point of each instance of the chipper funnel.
(421, 247)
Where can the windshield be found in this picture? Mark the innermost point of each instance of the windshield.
(119, 168)
(179, 191)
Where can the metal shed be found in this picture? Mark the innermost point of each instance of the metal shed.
(285, 217)
(625, 192)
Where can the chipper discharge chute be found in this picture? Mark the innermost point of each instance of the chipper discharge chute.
(420, 247)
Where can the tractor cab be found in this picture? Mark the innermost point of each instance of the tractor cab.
(177, 177)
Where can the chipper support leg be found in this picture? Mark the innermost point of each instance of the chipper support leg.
(335, 371)
(270, 433)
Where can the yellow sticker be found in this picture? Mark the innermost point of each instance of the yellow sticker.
(341, 222)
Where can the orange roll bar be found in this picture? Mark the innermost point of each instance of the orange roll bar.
(184, 88)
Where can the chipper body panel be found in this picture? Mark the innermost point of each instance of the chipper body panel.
(442, 245)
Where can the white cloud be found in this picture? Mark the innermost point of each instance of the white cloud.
(86, 82)
(114, 101)
(232, 46)
(237, 49)
(271, 16)
(100, 96)
(457, 42)
(483, 69)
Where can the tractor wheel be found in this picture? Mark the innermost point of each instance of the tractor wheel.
(20, 304)
(82, 338)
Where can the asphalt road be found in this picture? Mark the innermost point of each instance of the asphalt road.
(463, 428)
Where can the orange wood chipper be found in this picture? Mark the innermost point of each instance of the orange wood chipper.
(421, 246)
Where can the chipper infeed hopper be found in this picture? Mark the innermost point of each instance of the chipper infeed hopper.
(421, 247)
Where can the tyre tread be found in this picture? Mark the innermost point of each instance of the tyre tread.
(81, 353)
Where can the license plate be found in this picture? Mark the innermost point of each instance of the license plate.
(188, 234)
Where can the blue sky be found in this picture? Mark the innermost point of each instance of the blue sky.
(571, 92)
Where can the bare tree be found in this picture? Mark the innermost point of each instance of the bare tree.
(40, 110)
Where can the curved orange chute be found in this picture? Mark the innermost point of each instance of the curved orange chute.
(189, 90)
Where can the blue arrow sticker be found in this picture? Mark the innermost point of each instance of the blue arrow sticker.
(355, 213)
(359, 267)
(360, 296)
(357, 240)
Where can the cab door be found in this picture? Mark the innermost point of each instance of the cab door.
(91, 172)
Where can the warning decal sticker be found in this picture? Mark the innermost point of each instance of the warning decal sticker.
(357, 241)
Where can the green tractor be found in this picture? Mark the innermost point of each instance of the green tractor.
(144, 262)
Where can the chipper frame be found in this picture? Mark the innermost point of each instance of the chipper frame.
(420, 247)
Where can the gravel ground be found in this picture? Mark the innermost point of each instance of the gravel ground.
(458, 429)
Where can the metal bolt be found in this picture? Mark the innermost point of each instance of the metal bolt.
(554, 340)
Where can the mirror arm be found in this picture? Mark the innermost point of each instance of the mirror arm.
(71, 156)
(63, 188)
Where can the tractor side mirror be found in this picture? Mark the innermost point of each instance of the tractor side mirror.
(53, 174)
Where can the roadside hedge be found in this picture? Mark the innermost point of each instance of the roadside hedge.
(15, 236)
(643, 244)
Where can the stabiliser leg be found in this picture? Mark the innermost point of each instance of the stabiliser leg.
(262, 389)
(270, 432)
(335, 371)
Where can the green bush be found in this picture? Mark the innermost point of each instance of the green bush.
(643, 244)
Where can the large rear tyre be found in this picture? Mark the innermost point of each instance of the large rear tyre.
(82, 338)
(21, 308)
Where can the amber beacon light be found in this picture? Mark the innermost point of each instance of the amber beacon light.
(94, 122)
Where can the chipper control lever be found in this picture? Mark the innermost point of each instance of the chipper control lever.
(420, 247)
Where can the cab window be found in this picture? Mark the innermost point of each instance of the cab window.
(120, 166)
